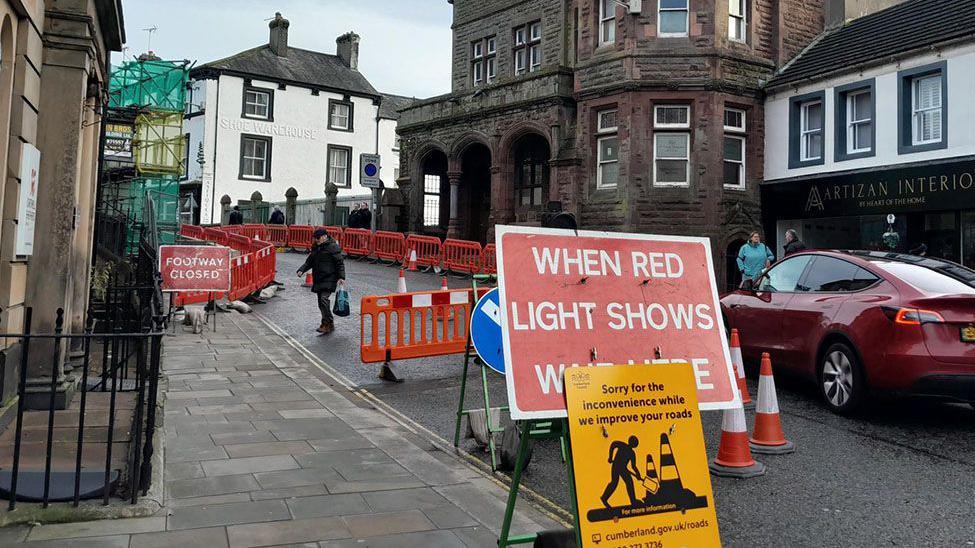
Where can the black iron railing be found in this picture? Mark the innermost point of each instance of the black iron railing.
(130, 367)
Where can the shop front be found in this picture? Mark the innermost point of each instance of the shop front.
(920, 208)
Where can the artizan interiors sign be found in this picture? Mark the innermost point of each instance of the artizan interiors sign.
(945, 186)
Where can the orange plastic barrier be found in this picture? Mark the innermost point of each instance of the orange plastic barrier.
(258, 232)
(389, 246)
(357, 242)
(462, 256)
(335, 232)
(278, 235)
(299, 236)
(415, 325)
(428, 249)
(489, 259)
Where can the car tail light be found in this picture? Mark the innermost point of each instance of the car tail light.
(912, 316)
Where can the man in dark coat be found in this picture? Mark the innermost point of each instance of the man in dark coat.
(792, 243)
(365, 220)
(236, 217)
(328, 272)
(277, 217)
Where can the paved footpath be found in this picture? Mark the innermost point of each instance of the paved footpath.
(264, 448)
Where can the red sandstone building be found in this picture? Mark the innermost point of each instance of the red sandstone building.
(642, 116)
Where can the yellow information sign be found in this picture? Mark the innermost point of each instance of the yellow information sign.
(640, 468)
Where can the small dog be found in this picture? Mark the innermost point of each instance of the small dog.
(195, 316)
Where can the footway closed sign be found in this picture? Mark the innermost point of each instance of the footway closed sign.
(194, 268)
(601, 298)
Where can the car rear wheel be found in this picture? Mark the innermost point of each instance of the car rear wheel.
(841, 379)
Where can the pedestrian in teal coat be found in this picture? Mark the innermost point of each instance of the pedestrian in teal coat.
(753, 258)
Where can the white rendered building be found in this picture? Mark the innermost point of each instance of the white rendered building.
(276, 117)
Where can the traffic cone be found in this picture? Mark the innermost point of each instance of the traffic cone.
(401, 284)
(739, 363)
(734, 459)
(767, 437)
(412, 262)
(669, 474)
(308, 281)
(650, 481)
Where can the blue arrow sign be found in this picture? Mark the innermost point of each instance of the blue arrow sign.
(486, 330)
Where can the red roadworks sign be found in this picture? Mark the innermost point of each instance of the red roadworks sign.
(602, 298)
(194, 268)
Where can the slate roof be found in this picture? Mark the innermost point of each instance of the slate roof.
(392, 104)
(876, 37)
(301, 66)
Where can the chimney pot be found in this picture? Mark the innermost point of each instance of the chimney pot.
(279, 35)
(347, 47)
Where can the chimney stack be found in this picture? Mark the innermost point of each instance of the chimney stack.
(347, 47)
(279, 35)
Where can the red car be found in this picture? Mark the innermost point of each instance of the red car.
(856, 321)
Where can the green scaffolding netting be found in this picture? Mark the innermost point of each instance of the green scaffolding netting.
(155, 84)
(164, 193)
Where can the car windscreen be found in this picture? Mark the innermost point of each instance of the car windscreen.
(925, 279)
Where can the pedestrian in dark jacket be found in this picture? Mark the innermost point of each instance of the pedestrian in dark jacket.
(236, 217)
(365, 216)
(353, 220)
(792, 243)
(277, 217)
(328, 272)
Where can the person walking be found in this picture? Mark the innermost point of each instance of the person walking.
(328, 272)
(236, 217)
(792, 243)
(277, 217)
(753, 258)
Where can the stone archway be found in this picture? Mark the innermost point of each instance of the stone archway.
(474, 193)
(432, 192)
(523, 173)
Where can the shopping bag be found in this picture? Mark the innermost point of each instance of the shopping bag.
(341, 307)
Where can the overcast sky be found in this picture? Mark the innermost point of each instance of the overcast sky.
(405, 46)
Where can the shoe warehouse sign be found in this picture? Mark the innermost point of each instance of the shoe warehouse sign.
(194, 268)
(945, 186)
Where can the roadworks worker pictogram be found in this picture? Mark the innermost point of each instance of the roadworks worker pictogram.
(666, 494)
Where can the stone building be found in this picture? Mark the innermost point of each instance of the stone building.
(53, 83)
(641, 116)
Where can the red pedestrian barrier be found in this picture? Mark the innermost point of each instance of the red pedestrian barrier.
(334, 231)
(389, 246)
(299, 236)
(428, 250)
(278, 235)
(357, 242)
(462, 256)
(258, 232)
(489, 260)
